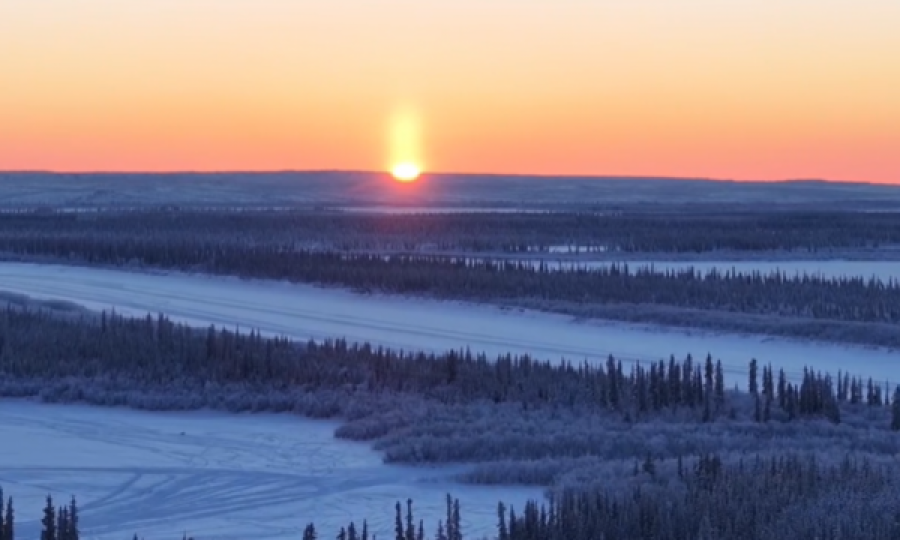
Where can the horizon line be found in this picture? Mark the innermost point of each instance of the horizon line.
(438, 173)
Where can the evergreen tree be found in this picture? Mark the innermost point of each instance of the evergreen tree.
(613, 391)
(410, 524)
(62, 523)
(720, 384)
(451, 531)
(675, 396)
(9, 530)
(457, 522)
(73, 530)
(309, 533)
(49, 521)
(398, 522)
(895, 410)
(752, 386)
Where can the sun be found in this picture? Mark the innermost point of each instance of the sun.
(406, 172)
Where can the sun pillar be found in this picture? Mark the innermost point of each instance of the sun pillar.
(405, 144)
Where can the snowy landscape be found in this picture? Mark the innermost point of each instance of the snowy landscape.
(449, 270)
(214, 475)
(210, 375)
(307, 312)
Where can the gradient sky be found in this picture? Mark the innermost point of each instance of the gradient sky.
(744, 89)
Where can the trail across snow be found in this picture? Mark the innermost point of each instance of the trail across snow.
(212, 475)
(304, 311)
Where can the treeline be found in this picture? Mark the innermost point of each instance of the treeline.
(58, 522)
(782, 497)
(753, 498)
(688, 232)
(851, 299)
(153, 363)
(848, 490)
(38, 346)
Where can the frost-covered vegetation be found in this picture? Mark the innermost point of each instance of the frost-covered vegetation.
(538, 423)
(58, 522)
(331, 249)
(661, 449)
(613, 231)
(753, 497)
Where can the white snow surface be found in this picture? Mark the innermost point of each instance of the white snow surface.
(216, 476)
(304, 311)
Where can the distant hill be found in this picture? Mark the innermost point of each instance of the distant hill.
(345, 188)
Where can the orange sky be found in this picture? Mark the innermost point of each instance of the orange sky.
(745, 89)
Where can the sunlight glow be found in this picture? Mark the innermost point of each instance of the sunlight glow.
(405, 157)
(406, 172)
(741, 90)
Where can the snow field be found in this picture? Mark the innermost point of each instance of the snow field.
(216, 476)
(304, 312)
(266, 476)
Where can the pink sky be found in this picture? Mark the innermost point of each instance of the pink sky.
(739, 89)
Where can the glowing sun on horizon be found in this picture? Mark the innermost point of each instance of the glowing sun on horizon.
(406, 172)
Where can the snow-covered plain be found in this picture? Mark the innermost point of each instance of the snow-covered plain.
(304, 311)
(213, 475)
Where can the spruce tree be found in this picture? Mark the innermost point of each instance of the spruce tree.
(613, 390)
(410, 524)
(720, 384)
(49, 521)
(398, 522)
(62, 518)
(752, 387)
(74, 532)
(9, 529)
(451, 532)
(457, 522)
(895, 410)
(782, 389)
